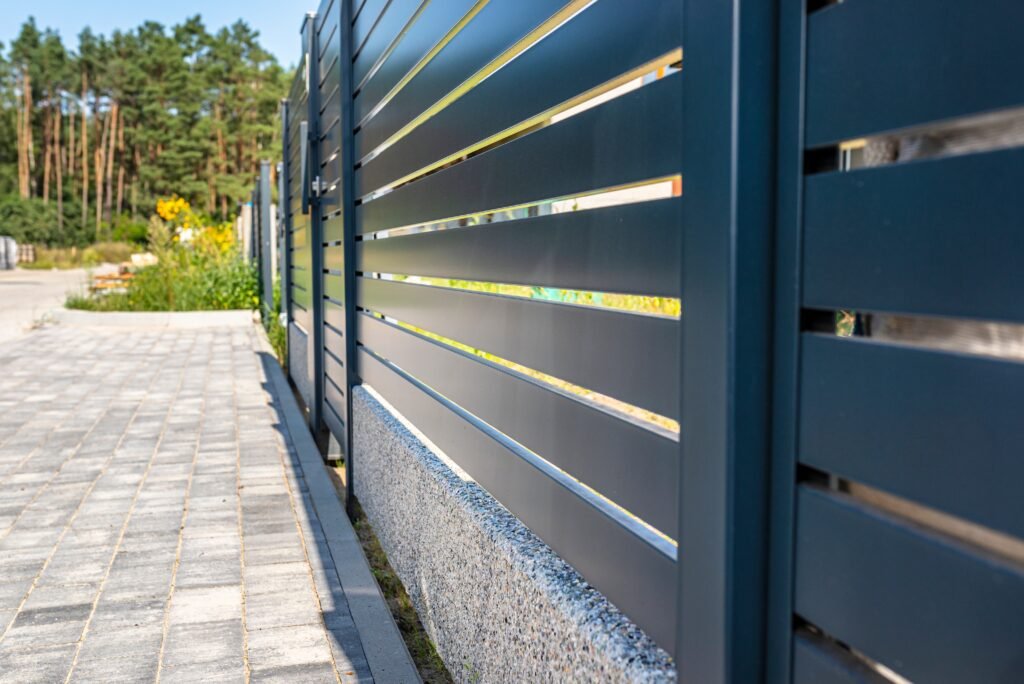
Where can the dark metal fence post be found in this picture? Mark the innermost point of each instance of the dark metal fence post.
(316, 335)
(728, 180)
(266, 249)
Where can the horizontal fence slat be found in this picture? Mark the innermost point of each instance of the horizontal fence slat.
(941, 237)
(637, 578)
(497, 27)
(333, 229)
(632, 248)
(302, 298)
(941, 59)
(940, 428)
(817, 661)
(366, 20)
(916, 603)
(334, 383)
(628, 39)
(330, 174)
(633, 358)
(336, 424)
(395, 16)
(302, 316)
(632, 138)
(435, 21)
(326, 15)
(334, 315)
(334, 258)
(330, 100)
(302, 278)
(334, 405)
(624, 462)
(334, 341)
(330, 143)
(334, 287)
(330, 46)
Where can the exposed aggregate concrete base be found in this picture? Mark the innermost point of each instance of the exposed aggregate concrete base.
(498, 603)
(298, 355)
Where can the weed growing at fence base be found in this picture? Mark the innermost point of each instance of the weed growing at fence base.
(276, 333)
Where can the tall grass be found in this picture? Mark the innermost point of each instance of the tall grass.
(81, 257)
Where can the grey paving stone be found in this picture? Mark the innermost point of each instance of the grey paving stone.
(33, 635)
(209, 572)
(288, 646)
(125, 642)
(206, 604)
(116, 615)
(223, 671)
(281, 609)
(61, 596)
(125, 430)
(203, 643)
(311, 673)
(130, 669)
(50, 664)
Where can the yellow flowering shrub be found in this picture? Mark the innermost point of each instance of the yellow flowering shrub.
(192, 228)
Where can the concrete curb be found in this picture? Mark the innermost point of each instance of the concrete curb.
(235, 318)
(385, 650)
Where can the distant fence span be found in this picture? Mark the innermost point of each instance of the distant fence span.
(633, 296)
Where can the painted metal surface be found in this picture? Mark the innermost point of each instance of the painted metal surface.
(781, 572)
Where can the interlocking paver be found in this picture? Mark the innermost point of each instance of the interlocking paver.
(153, 526)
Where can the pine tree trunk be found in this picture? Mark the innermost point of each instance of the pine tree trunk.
(85, 152)
(108, 197)
(70, 166)
(25, 136)
(120, 167)
(47, 152)
(99, 159)
(59, 167)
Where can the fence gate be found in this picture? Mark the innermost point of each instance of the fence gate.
(299, 118)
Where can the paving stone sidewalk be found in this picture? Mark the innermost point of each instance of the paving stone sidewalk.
(154, 525)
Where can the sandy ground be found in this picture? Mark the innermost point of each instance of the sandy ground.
(27, 296)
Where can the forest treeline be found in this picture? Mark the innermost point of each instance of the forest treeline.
(92, 134)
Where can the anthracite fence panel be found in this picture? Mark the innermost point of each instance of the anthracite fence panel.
(897, 513)
(300, 281)
(458, 134)
(638, 298)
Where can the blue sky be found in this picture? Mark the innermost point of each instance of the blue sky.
(277, 21)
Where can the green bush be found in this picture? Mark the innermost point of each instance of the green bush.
(276, 333)
(125, 229)
(33, 221)
(185, 278)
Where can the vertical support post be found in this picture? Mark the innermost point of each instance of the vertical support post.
(266, 238)
(348, 212)
(316, 242)
(786, 382)
(285, 201)
(728, 222)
